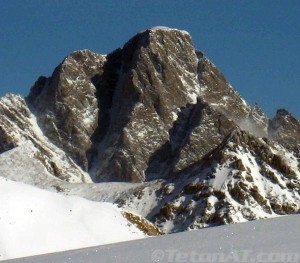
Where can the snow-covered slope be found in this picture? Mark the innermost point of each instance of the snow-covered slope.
(242, 180)
(18, 126)
(270, 240)
(21, 165)
(35, 221)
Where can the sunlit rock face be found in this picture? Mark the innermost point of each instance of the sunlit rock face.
(66, 104)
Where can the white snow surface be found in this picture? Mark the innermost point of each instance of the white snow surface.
(269, 240)
(35, 221)
(19, 164)
(164, 28)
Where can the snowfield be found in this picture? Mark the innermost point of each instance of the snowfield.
(262, 241)
(35, 221)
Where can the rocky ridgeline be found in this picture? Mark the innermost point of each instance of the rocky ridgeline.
(158, 110)
(245, 178)
(18, 125)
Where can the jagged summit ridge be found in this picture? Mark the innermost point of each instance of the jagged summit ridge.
(155, 28)
(158, 112)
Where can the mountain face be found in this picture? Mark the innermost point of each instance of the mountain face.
(118, 115)
(159, 113)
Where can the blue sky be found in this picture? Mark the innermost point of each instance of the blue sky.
(254, 43)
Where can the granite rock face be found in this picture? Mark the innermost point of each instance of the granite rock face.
(66, 104)
(156, 81)
(285, 129)
(158, 112)
(118, 115)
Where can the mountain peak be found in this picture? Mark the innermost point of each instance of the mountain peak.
(169, 31)
(154, 87)
(283, 117)
(158, 37)
(282, 113)
(165, 29)
(157, 112)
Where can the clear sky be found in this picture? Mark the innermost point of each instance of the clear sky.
(255, 43)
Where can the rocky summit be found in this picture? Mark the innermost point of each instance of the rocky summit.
(157, 124)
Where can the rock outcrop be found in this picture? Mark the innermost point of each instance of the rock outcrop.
(66, 104)
(18, 126)
(285, 129)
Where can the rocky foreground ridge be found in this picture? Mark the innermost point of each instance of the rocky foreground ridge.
(159, 115)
